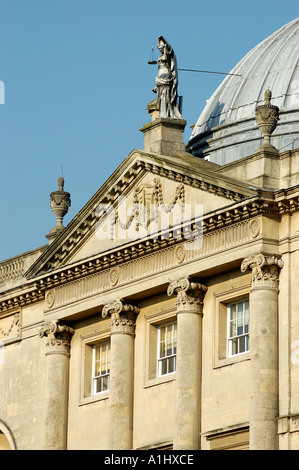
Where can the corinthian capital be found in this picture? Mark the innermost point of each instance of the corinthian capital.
(122, 316)
(189, 294)
(265, 269)
(58, 336)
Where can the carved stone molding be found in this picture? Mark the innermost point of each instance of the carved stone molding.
(265, 270)
(122, 317)
(190, 294)
(10, 327)
(58, 336)
(50, 298)
(255, 228)
(114, 276)
(180, 253)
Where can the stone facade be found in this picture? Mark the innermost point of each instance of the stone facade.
(165, 315)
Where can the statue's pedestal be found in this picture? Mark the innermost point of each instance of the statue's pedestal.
(164, 136)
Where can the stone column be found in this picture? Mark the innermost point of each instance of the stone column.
(57, 384)
(188, 367)
(263, 412)
(121, 374)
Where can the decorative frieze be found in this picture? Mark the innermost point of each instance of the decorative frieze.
(58, 337)
(189, 294)
(140, 261)
(265, 270)
(10, 327)
(122, 317)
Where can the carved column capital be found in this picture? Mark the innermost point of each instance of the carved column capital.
(190, 294)
(122, 316)
(265, 270)
(58, 336)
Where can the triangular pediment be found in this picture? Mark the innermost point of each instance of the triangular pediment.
(147, 194)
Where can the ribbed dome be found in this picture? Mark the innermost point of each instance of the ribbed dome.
(226, 129)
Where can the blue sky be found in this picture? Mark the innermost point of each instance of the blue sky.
(77, 84)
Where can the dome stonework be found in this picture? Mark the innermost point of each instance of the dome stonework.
(226, 130)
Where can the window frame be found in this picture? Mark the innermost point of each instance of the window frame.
(235, 339)
(167, 358)
(100, 377)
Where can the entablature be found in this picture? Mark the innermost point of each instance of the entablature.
(234, 228)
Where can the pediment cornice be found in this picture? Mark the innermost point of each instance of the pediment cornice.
(182, 168)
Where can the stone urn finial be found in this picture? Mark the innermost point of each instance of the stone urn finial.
(60, 202)
(267, 116)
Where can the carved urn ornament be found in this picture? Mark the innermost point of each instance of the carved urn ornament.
(267, 116)
(60, 202)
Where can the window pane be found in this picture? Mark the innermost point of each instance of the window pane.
(240, 308)
(169, 346)
(240, 326)
(98, 385)
(232, 311)
(242, 344)
(164, 367)
(233, 329)
(162, 333)
(171, 364)
(97, 353)
(105, 383)
(162, 349)
(234, 344)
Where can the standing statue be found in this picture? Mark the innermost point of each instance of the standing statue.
(167, 81)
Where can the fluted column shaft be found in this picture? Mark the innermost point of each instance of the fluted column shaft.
(263, 411)
(57, 385)
(120, 416)
(188, 366)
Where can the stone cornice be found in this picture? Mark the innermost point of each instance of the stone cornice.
(21, 298)
(211, 222)
(286, 202)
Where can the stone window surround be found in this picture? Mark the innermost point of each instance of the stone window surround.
(87, 343)
(221, 301)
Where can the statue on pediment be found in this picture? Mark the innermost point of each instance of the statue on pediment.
(167, 81)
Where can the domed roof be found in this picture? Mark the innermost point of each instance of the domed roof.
(226, 129)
